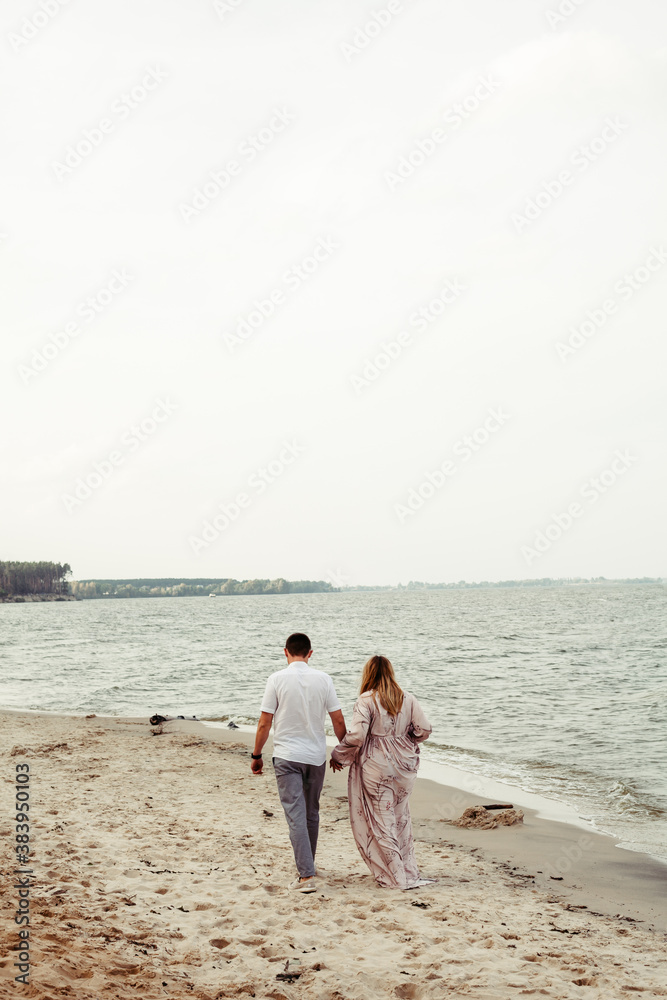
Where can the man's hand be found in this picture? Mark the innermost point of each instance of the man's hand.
(263, 729)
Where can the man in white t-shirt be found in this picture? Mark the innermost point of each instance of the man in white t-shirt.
(296, 701)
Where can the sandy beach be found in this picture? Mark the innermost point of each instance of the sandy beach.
(161, 867)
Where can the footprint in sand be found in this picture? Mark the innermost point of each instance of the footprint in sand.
(220, 943)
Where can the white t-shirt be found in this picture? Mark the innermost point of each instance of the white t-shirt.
(299, 697)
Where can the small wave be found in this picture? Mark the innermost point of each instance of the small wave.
(461, 751)
(240, 720)
(579, 786)
(631, 802)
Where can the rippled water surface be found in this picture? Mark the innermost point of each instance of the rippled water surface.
(562, 690)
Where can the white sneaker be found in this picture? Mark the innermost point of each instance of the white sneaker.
(308, 885)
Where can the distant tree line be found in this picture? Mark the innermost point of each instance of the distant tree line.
(546, 581)
(542, 582)
(170, 587)
(33, 578)
(27, 578)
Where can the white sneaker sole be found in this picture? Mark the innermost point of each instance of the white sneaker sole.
(305, 887)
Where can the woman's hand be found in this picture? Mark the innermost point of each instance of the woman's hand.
(334, 765)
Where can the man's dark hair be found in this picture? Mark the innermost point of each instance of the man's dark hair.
(298, 644)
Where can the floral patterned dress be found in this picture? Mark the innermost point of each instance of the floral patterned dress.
(383, 754)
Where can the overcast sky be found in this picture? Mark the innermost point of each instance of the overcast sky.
(415, 214)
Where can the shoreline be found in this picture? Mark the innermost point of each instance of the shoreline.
(582, 863)
(479, 787)
(557, 851)
(36, 598)
(525, 584)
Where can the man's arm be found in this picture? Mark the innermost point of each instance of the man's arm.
(338, 723)
(262, 735)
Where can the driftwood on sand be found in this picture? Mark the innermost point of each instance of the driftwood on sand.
(479, 817)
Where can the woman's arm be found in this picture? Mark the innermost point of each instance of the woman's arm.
(420, 727)
(348, 748)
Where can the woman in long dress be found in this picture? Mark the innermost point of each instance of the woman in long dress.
(381, 747)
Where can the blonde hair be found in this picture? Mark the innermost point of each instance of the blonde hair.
(378, 676)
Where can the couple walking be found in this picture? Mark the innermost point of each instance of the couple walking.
(381, 748)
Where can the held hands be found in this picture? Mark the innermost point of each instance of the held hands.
(334, 765)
